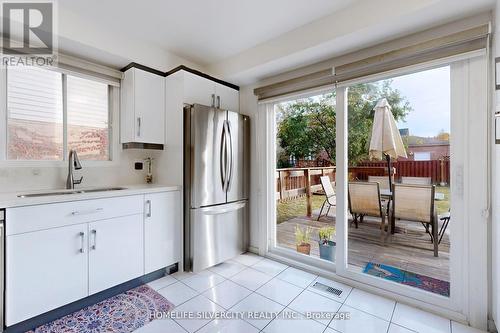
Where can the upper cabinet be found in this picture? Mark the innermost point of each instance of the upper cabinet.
(142, 107)
(200, 90)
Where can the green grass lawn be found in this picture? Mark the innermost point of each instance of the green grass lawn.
(298, 207)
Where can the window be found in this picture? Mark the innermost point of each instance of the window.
(49, 113)
(422, 156)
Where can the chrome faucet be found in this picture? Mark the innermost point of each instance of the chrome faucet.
(73, 161)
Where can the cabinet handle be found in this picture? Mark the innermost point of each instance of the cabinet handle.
(87, 212)
(148, 203)
(218, 102)
(213, 100)
(139, 126)
(82, 248)
(95, 239)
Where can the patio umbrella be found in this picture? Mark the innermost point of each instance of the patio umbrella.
(386, 139)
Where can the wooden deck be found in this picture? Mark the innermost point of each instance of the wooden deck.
(409, 248)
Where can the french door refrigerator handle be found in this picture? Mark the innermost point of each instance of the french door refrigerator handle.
(230, 155)
(223, 158)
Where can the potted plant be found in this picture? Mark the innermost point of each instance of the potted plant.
(326, 244)
(303, 239)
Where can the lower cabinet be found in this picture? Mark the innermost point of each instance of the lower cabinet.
(78, 250)
(162, 230)
(115, 252)
(45, 270)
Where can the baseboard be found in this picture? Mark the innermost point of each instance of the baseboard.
(253, 249)
(491, 326)
(47, 317)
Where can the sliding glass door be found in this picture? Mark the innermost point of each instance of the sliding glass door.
(378, 181)
(399, 207)
(404, 171)
(304, 178)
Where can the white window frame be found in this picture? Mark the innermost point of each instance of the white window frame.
(469, 300)
(113, 113)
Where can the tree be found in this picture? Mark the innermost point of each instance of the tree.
(307, 127)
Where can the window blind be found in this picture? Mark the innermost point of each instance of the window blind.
(88, 70)
(437, 43)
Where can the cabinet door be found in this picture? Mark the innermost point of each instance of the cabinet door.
(149, 92)
(162, 230)
(45, 270)
(198, 90)
(116, 251)
(229, 98)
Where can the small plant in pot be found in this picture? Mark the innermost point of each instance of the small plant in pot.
(326, 244)
(303, 239)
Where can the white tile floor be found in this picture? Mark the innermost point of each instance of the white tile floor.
(250, 283)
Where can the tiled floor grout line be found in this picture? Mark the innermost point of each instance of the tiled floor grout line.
(272, 277)
(251, 292)
(392, 315)
(286, 306)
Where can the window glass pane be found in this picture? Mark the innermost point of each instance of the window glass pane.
(88, 118)
(35, 116)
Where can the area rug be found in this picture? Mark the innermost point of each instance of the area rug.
(122, 313)
(408, 278)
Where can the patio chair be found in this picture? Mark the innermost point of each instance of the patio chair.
(364, 200)
(331, 198)
(445, 218)
(383, 181)
(416, 180)
(416, 203)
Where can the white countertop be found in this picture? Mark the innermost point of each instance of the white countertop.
(11, 199)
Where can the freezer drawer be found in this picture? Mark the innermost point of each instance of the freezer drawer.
(218, 233)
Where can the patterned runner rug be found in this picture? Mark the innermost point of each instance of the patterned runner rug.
(411, 279)
(122, 313)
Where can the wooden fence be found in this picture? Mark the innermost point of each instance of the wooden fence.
(437, 170)
(295, 182)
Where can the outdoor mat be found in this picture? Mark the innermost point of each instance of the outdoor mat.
(122, 313)
(408, 278)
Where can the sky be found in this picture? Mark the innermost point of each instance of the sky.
(429, 95)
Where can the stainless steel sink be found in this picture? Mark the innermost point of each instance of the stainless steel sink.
(90, 190)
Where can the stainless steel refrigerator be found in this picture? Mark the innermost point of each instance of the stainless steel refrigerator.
(216, 147)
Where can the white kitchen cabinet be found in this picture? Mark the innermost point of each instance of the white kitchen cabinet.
(45, 270)
(142, 107)
(200, 90)
(229, 97)
(162, 230)
(115, 252)
(62, 252)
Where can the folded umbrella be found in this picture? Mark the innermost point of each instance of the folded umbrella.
(386, 139)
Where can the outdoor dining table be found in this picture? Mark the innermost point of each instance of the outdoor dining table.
(386, 193)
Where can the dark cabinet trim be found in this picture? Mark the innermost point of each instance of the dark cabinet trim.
(178, 68)
(142, 67)
(206, 76)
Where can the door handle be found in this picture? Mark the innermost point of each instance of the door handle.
(148, 204)
(139, 126)
(82, 236)
(230, 155)
(94, 232)
(223, 158)
(213, 100)
(218, 102)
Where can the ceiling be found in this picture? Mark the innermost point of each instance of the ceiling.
(243, 41)
(203, 31)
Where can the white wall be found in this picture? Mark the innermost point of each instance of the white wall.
(248, 106)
